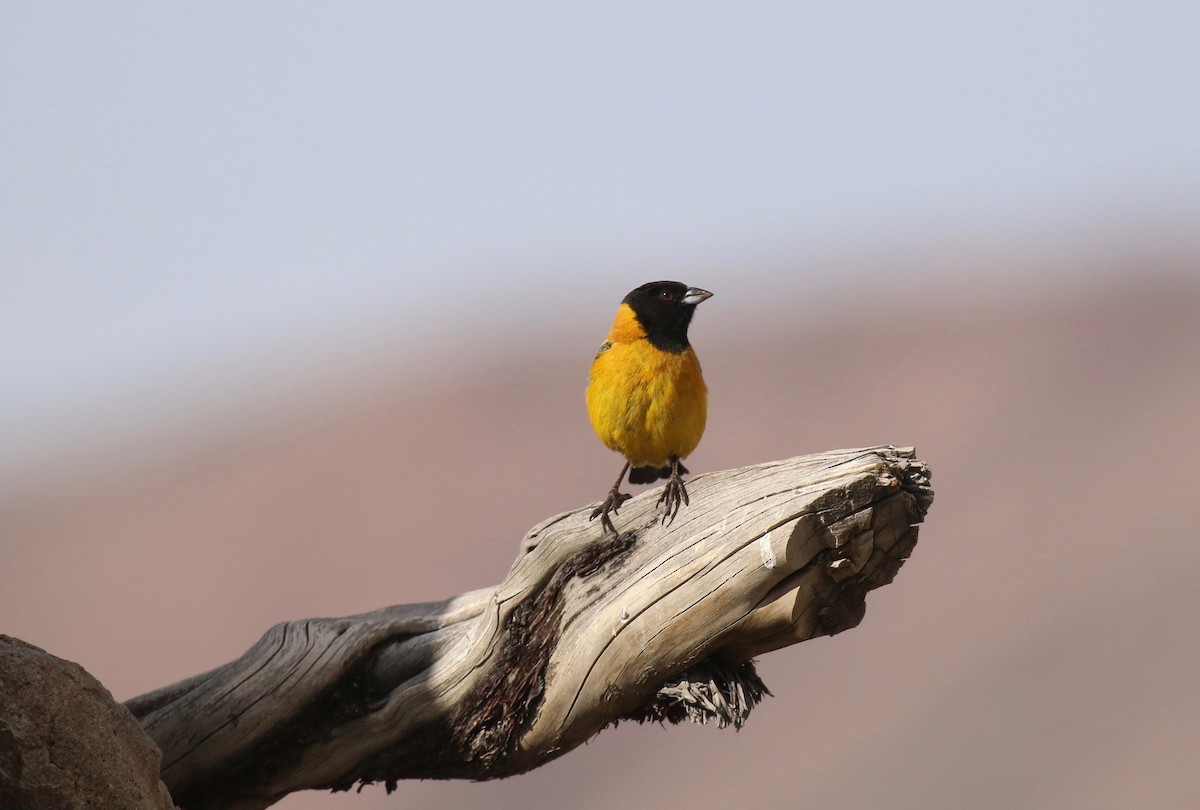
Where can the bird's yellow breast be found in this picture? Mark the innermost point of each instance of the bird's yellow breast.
(646, 403)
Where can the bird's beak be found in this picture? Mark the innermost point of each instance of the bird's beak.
(695, 295)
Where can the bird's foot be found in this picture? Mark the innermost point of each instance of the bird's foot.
(611, 504)
(674, 495)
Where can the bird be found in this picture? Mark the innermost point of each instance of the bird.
(646, 396)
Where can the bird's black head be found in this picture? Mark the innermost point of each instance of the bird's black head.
(664, 310)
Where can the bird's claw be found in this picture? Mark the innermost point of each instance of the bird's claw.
(674, 495)
(611, 504)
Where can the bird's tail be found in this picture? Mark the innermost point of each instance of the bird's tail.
(648, 475)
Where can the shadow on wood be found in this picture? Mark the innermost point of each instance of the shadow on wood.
(585, 630)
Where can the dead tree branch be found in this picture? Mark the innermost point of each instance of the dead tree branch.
(584, 631)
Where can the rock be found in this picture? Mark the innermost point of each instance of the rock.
(65, 743)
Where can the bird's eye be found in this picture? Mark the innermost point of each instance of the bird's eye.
(666, 295)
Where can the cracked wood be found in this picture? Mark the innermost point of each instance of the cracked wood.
(584, 631)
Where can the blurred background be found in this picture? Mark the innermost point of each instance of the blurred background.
(297, 304)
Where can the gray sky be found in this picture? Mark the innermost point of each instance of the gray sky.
(184, 187)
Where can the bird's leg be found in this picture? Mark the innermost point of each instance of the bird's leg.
(611, 504)
(674, 493)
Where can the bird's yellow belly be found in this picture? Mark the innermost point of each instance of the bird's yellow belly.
(647, 404)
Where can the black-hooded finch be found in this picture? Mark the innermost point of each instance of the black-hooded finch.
(646, 397)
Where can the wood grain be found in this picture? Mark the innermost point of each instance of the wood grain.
(585, 630)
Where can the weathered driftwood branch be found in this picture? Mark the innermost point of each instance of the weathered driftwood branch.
(586, 630)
